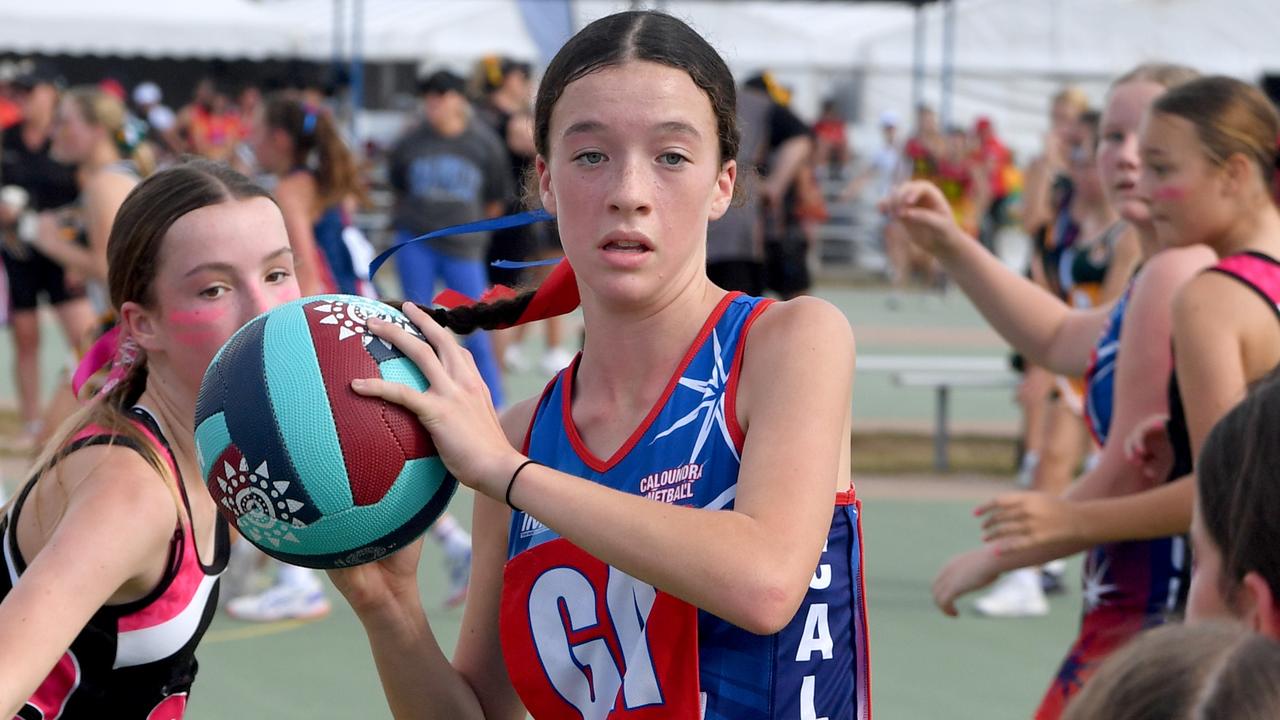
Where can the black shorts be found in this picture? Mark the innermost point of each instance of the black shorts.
(786, 266)
(32, 275)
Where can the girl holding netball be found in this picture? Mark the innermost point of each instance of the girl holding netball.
(112, 549)
(669, 531)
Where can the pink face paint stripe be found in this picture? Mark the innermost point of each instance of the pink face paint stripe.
(1170, 194)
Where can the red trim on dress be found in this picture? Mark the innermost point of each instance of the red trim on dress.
(571, 430)
(864, 672)
(735, 371)
(528, 432)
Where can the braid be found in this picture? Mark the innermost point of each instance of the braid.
(467, 319)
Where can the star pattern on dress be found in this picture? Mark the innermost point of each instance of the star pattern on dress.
(712, 391)
(1096, 587)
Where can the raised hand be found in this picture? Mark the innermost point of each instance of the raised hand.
(456, 410)
(926, 216)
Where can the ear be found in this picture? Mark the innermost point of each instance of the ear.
(545, 192)
(1258, 605)
(139, 323)
(1236, 172)
(724, 190)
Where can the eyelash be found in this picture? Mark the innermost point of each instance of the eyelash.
(275, 276)
(582, 158)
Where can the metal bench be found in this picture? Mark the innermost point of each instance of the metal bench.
(942, 381)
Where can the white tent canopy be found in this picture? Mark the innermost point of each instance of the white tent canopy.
(147, 28)
(1012, 55)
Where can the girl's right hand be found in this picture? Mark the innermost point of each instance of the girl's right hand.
(382, 584)
(925, 214)
(1149, 448)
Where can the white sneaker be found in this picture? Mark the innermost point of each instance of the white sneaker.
(281, 602)
(514, 359)
(457, 560)
(1017, 594)
(555, 359)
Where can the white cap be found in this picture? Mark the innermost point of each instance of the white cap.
(888, 118)
(147, 93)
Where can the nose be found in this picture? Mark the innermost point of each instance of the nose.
(1128, 158)
(257, 300)
(1146, 181)
(632, 188)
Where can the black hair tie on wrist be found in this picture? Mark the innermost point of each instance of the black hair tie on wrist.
(511, 483)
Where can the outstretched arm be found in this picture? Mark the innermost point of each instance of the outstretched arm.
(110, 545)
(1032, 320)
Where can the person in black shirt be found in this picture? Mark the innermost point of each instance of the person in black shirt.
(25, 163)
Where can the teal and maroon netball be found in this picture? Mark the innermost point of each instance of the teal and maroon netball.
(307, 470)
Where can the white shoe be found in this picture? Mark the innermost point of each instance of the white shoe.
(555, 359)
(281, 602)
(1017, 594)
(1027, 470)
(514, 359)
(457, 560)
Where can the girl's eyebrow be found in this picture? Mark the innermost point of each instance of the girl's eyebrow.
(226, 267)
(671, 126)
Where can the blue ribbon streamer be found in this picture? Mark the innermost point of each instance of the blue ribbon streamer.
(499, 223)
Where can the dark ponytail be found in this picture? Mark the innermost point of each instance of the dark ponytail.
(467, 319)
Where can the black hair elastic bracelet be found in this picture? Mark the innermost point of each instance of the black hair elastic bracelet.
(511, 483)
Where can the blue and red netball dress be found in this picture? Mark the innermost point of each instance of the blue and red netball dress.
(1132, 586)
(582, 639)
(135, 660)
(1128, 586)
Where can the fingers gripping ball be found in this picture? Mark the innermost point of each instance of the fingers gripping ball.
(310, 472)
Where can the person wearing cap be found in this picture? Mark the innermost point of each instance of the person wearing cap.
(34, 182)
(161, 120)
(447, 170)
(994, 161)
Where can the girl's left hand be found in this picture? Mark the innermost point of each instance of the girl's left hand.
(963, 574)
(1021, 520)
(456, 410)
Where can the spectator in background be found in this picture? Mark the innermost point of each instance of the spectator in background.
(504, 102)
(880, 174)
(34, 183)
(210, 125)
(993, 161)
(10, 106)
(786, 196)
(832, 143)
(162, 122)
(449, 169)
(1044, 171)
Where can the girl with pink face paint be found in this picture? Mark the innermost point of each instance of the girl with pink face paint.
(1121, 349)
(1208, 153)
(112, 549)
